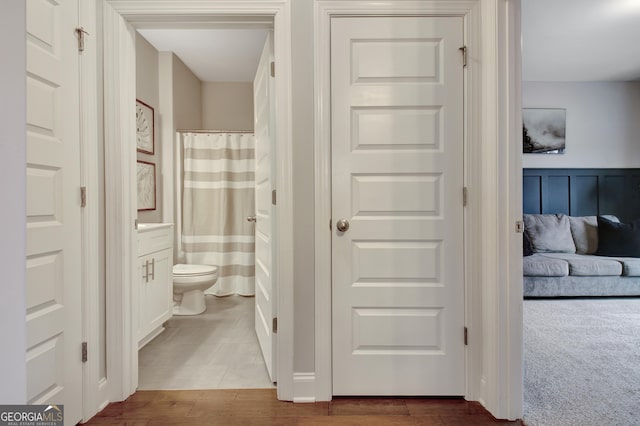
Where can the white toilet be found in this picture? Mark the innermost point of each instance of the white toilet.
(189, 284)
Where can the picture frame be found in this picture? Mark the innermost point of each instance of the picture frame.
(146, 179)
(145, 128)
(544, 130)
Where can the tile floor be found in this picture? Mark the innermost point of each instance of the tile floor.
(215, 350)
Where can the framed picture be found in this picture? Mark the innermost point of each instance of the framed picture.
(145, 125)
(544, 130)
(146, 186)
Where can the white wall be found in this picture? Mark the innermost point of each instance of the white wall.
(13, 376)
(603, 123)
(227, 106)
(147, 92)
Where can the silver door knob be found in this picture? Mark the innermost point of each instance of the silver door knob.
(251, 218)
(342, 225)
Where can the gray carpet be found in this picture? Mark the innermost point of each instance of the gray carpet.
(582, 362)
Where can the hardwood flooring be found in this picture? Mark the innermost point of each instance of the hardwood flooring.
(261, 407)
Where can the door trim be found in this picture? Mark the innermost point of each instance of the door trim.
(119, 75)
(95, 387)
(492, 293)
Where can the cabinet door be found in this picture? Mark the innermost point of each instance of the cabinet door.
(139, 296)
(157, 294)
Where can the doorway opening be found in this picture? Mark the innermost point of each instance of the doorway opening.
(121, 21)
(208, 86)
(567, 321)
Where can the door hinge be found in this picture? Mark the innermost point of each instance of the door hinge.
(84, 352)
(83, 196)
(273, 197)
(465, 196)
(330, 224)
(80, 33)
(274, 324)
(273, 69)
(466, 336)
(519, 227)
(463, 49)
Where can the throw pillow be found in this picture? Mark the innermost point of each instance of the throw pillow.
(618, 239)
(584, 230)
(549, 233)
(527, 248)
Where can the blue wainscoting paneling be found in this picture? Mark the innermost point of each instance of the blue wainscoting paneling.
(531, 194)
(557, 200)
(582, 192)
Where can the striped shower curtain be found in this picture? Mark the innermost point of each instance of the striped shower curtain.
(218, 195)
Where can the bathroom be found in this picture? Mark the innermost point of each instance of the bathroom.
(194, 90)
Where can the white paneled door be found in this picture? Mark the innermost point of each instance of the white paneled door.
(397, 181)
(54, 362)
(265, 304)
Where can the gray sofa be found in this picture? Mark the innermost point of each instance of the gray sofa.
(564, 264)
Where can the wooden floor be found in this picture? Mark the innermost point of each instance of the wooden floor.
(261, 407)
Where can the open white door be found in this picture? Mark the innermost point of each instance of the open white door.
(397, 206)
(264, 108)
(54, 320)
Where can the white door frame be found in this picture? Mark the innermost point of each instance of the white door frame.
(493, 278)
(119, 78)
(95, 387)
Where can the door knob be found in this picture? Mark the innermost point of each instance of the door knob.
(251, 218)
(342, 225)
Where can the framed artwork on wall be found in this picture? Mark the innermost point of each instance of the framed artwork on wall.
(145, 125)
(544, 130)
(146, 177)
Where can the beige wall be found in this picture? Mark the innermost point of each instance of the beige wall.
(187, 97)
(303, 184)
(147, 92)
(13, 368)
(227, 106)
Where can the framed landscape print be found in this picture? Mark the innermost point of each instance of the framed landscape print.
(544, 130)
(145, 138)
(146, 177)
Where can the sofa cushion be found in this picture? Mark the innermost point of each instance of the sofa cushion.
(538, 265)
(584, 230)
(618, 239)
(583, 265)
(630, 266)
(549, 233)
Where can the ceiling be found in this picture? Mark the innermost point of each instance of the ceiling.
(580, 40)
(562, 40)
(212, 54)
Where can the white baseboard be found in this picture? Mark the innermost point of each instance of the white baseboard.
(304, 387)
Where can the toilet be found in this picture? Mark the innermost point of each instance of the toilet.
(189, 284)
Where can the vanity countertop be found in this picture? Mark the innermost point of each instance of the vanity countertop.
(144, 227)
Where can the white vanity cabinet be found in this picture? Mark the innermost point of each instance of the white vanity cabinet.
(155, 285)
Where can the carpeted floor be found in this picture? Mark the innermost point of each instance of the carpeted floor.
(582, 362)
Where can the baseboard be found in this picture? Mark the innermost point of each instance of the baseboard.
(482, 398)
(304, 387)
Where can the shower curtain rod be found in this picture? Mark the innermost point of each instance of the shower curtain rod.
(213, 131)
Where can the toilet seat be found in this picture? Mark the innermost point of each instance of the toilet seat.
(183, 270)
